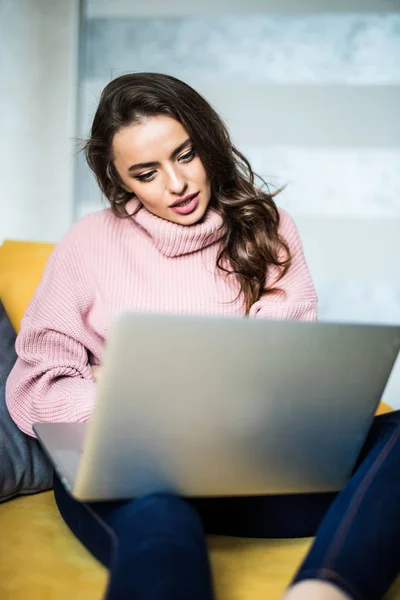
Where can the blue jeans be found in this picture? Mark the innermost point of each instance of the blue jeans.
(155, 546)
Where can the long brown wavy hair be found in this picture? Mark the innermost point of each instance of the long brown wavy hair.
(251, 243)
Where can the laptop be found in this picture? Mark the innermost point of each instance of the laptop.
(215, 406)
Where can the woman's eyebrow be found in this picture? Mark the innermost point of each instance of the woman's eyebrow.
(146, 165)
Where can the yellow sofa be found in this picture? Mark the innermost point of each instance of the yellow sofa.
(41, 560)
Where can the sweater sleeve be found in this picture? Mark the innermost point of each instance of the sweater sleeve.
(52, 380)
(299, 299)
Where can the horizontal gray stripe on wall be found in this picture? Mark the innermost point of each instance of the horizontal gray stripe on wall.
(252, 49)
(310, 115)
(105, 8)
(352, 116)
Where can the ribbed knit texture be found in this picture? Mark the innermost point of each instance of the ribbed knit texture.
(143, 263)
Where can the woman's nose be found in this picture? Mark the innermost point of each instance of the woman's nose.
(176, 182)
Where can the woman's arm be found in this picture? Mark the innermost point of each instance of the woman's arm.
(299, 301)
(52, 379)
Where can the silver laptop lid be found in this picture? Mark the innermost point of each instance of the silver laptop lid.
(220, 406)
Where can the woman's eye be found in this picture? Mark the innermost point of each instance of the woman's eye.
(185, 158)
(188, 156)
(146, 176)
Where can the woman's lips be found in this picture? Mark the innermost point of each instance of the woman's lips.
(188, 207)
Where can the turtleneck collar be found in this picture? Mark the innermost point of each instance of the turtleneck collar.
(172, 239)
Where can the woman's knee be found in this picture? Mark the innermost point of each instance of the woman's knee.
(168, 509)
(160, 515)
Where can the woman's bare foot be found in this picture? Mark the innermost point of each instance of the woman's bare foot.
(313, 589)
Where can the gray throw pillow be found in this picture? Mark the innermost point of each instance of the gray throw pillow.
(24, 468)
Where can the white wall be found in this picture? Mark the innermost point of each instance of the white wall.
(38, 83)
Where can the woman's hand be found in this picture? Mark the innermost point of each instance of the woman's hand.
(96, 370)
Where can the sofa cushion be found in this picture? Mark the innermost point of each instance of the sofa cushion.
(21, 269)
(24, 469)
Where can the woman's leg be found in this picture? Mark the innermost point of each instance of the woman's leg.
(357, 547)
(154, 546)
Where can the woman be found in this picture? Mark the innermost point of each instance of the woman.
(189, 231)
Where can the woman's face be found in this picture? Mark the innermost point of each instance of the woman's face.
(155, 160)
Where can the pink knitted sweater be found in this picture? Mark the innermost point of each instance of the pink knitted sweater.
(143, 263)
